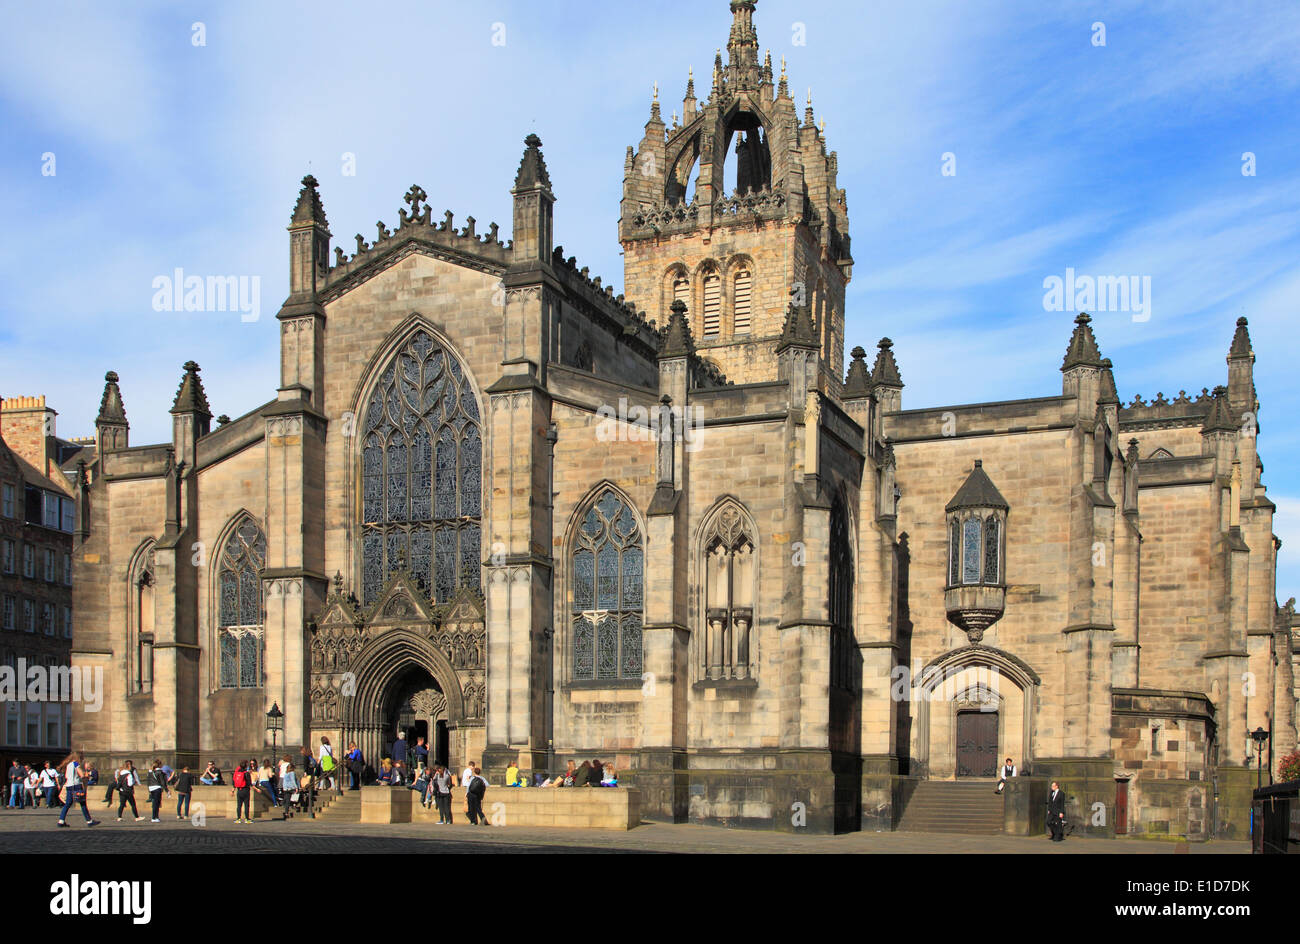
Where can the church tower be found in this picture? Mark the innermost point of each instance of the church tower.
(733, 207)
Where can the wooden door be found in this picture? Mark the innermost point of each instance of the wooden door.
(1121, 807)
(977, 743)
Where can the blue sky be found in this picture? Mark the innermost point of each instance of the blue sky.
(1123, 159)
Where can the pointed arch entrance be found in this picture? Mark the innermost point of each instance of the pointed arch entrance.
(402, 678)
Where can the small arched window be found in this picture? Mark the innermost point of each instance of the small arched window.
(239, 630)
(712, 304)
(742, 291)
(608, 562)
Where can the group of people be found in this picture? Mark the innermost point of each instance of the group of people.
(30, 785)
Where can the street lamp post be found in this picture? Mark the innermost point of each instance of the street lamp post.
(1259, 736)
(274, 724)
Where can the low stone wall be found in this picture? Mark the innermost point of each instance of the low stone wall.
(571, 807)
(218, 802)
(1024, 806)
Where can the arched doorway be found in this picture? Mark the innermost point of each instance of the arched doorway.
(973, 706)
(404, 683)
(415, 705)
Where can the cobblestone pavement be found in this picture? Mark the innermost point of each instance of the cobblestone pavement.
(34, 831)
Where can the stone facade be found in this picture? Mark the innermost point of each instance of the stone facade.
(37, 516)
(497, 504)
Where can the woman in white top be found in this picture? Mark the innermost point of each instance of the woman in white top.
(32, 785)
(49, 784)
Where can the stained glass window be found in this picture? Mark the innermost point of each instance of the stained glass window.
(954, 555)
(239, 583)
(991, 550)
(422, 474)
(970, 554)
(608, 565)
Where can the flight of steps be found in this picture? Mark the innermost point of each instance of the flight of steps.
(969, 807)
(333, 808)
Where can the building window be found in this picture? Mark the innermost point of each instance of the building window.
(976, 553)
(50, 509)
(50, 566)
(67, 570)
(681, 291)
(29, 561)
(67, 622)
(240, 586)
(53, 725)
(29, 616)
(142, 616)
(740, 304)
(608, 560)
(47, 619)
(10, 618)
(11, 723)
(33, 725)
(712, 304)
(7, 553)
(729, 594)
(421, 466)
(9, 508)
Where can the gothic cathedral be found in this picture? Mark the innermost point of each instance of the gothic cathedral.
(494, 503)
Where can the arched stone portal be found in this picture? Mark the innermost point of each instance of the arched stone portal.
(972, 700)
(402, 671)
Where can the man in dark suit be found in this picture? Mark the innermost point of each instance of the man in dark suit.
(1056, 812)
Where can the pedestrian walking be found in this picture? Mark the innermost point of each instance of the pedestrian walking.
(127, 781)
(157, 787)
(17, 777)
(183, 781)
(74, 790)
(1056, 813)
(474, 794)
(50, 784)
(441, 787)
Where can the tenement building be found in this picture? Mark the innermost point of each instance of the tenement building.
(495, 504)
(37, 518)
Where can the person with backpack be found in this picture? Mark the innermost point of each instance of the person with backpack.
(184, 783)
(127, 780)
(242, 793)
(327, 762)
(474, 797)
(157, 787)
(440, 786)
(75, 790)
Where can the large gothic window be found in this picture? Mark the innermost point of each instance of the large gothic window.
(608, 560)
(729, 594)
(421, 471)
(239, 585)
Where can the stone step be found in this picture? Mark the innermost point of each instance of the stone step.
(952, 806)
